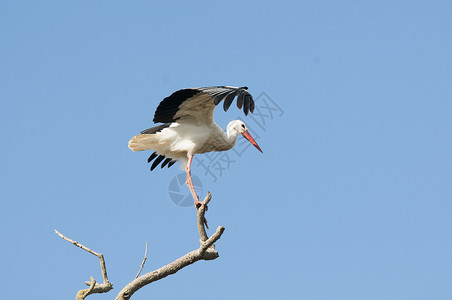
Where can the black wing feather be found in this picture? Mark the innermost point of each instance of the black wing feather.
(246, 104)
(165, 162)
(157, 161)
(251, 104)
(220, 97)
(170, 105)
(153, 155)
(228, 101)
(240, 99)
(155, 129)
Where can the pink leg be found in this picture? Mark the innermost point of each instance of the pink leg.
(189, 183)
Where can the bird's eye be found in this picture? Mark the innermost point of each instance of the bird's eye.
(243, 126)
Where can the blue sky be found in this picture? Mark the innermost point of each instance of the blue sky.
(350, 200)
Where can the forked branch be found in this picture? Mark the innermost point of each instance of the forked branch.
(206, 251)
(93, 286)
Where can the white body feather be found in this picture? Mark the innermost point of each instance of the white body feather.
(185, 138)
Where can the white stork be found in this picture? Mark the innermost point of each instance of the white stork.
(189, 127)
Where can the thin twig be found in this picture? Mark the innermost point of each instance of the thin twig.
(144, 260)
(99, 255)
(93, 286)
(76, 243)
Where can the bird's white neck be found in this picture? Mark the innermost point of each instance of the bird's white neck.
(231, 137)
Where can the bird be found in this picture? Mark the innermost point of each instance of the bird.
(189, 128)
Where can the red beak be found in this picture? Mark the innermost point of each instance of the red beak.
(252, 141)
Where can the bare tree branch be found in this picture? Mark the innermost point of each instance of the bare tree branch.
(206, 251)
(93, 286)
(81, 295)
(201, 218)
(144, 260)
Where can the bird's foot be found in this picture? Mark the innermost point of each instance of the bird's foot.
(199, 204)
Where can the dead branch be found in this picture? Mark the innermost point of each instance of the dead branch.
(144, 260)
(206, 251)
(93, 286)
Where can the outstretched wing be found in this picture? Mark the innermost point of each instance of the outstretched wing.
(198, 104)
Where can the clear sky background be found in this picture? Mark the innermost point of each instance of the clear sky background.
(350, 200)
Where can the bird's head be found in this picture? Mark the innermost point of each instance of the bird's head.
(238, 127)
